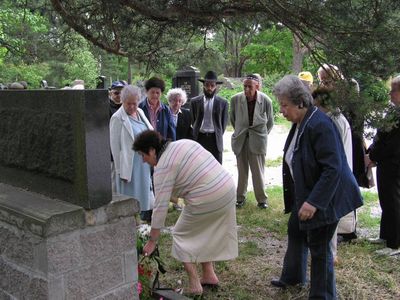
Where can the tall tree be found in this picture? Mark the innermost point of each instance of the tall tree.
(235, 36)
(347, 30)
(22, 31)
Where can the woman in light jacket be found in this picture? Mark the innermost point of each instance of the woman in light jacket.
(133, 175)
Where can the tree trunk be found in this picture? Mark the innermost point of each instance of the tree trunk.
(299, 51)
(129, 71)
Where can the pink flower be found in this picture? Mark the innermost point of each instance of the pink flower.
(140, 288)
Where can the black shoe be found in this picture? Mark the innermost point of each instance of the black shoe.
(239, 204)
(278, 283)
(347, 237)
(262, 205)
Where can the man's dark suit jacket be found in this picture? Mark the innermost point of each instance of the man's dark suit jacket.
(184, 126)
(219, 117)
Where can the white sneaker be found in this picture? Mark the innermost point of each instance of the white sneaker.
(388, 251)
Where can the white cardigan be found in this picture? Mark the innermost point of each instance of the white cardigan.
(121, 141)
(345, 133)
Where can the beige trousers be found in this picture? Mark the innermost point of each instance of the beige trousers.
(256, 162)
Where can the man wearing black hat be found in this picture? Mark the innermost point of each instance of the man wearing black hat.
(209, 114)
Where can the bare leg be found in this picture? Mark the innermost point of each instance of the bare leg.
(194, 281)
(209, 275)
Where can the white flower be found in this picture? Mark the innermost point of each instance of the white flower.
(144, 230)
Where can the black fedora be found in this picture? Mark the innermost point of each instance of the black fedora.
(211, 76)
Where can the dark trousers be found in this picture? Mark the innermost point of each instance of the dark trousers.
(388, 179)
(323, 282)
(209, 142)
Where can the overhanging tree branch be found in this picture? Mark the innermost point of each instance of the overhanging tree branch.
(75, 22)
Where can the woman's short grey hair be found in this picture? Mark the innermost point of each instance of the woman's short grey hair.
(173, 93)
(130, 91)
(293, 88)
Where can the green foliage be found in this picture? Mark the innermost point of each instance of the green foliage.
(32, 73)
(249, 248)
(273, 219)
(280, 120)
(3, 52)
(368, 33)
(32, 48)
(366, 108)
(229, 93)
(112, 66)
(270, 52)
(271, 163)
(365, 216)
(82, 63)
(21, 31)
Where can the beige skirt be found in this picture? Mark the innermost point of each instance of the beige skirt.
(206, 237)
(347, 224)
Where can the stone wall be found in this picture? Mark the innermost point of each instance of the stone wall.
(51, 249)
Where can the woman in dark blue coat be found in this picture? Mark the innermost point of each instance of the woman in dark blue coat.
(157, 112)
(319, 188)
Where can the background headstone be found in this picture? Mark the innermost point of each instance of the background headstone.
(187, 79)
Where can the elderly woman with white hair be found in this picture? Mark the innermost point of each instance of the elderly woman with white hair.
(319, 188)
(180, 116)
(132, 174)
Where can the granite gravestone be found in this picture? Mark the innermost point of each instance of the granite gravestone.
(62, 234)
(56, 142)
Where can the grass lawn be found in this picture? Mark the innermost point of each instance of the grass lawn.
(361, 274)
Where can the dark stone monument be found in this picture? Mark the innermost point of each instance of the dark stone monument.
(62, 234)
(101, 82)
(56, 142)
(187, 79)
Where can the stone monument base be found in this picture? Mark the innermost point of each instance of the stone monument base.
(51, 249)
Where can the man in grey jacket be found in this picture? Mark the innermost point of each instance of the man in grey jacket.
(252, 119)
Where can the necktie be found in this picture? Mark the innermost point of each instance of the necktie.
(207, 115)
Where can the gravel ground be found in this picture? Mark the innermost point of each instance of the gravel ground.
(276, 141)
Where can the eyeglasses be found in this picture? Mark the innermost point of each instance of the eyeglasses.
(116, 93)
(176, 100)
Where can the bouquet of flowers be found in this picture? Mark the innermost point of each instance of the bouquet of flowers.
(149, 267)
